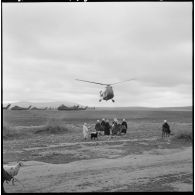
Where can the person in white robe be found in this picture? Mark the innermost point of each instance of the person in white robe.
(85, 131)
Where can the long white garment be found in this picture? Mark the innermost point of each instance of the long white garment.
(85, 131)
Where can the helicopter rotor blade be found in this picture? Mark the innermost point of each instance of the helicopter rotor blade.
(91, 82)
(122, 81)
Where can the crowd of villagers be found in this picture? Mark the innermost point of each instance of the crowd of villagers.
(105, 128)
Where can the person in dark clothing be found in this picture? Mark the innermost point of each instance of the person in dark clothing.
(107, 128)
(165, 129)
(103, 124)
(114, 126)
(98, 126)
(124, 123)
(166, 125)
(124, 128)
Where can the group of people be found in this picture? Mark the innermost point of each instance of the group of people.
(105, 128)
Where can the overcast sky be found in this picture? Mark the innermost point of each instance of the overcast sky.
(46, 46)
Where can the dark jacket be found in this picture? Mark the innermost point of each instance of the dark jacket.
(98, 127)
(166, 126)
(124, 123)
(103, 123)
(107, 128)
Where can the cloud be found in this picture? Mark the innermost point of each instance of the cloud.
(47, 46)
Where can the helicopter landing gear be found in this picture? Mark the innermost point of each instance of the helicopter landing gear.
(113, 100)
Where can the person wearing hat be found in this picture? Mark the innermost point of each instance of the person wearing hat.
(124, 124)
(85, 131)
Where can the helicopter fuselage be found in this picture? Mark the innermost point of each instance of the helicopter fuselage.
(108, 93)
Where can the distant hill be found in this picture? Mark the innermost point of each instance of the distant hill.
(43, 104)
(186, 108)
(56, 104)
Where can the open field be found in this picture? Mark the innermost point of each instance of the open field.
(57, 159)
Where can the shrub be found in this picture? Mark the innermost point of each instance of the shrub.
(8, 130)
(52, 126)
(183, 135)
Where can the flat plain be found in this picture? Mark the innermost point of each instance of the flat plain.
(57, 159)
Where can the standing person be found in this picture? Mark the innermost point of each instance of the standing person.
(124, 124)
(166, 125)
(115, 121)
(114, 126)
(107, 127)
(85, 131)
(103, 124)
(98, 126)
(165, 129)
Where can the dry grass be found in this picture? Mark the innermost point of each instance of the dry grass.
(9, 131)
(183, 134)
(52, 126)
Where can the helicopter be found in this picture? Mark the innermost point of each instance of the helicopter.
(108, 93)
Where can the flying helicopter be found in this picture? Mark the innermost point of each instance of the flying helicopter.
(108, 93)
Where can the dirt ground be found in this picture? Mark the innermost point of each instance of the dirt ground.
(117, 164)
(63, 162)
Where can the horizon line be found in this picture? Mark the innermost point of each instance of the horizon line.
(13, 102)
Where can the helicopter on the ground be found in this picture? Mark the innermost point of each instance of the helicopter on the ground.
(108, 93)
